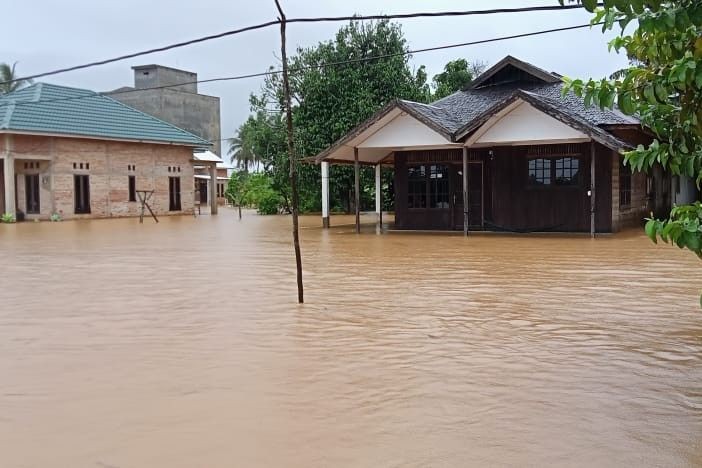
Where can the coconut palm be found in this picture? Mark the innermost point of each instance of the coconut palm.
(240, 150)
(7, 77)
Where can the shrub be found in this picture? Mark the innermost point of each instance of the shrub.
(56, 217)
(7, 218)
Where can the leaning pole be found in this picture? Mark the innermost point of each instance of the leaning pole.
(291, 156)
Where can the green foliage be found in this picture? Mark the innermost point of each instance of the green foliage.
(664, 90)
(56, 218)
(328, 101)
(241, 148)
(7, 218)
(457, 75)
(253, 189)
(8, 73)
(683, 228)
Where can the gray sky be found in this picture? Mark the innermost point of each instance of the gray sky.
(77, 31)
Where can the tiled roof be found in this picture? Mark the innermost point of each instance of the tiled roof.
(464, 106)
(51, 109)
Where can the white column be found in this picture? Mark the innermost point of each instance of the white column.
(325, 195)
(9, 171)
(213, 188)
(378, 194)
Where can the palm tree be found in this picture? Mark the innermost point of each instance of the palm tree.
(7, 74)
(240, 150)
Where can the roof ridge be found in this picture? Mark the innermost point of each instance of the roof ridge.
(37, 92)
(421, 104)
(10, 108)
(154, 118)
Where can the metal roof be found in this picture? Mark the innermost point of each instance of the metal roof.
(48, 109)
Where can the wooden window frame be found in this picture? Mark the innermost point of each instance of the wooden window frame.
(413, 194)
(625, 180)
(435, 182)
(577, 180)
(174, 201)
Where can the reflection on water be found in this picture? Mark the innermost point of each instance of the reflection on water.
(180, 344)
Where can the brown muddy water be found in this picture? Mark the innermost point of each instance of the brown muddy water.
(180, 344)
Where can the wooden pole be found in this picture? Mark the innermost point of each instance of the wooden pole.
(291, 156)
(357, 189)
(465, 191)
(378, 194)
(592, 189)
(325, 195)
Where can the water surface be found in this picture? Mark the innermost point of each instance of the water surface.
(180, 344)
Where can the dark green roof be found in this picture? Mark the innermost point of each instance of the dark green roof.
(51, 109)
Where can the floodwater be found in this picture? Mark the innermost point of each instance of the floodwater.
(180, 344)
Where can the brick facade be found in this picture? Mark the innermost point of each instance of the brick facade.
(639, 208)
(108, 164)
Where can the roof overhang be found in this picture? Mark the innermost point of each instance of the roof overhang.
(396, 127)
(99, 138)
(580, 130)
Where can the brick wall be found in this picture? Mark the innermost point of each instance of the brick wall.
(634, 214)
(108, 165)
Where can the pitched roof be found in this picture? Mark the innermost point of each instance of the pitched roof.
(458, 114)
(59, 110)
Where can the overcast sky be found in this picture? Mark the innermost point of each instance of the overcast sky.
(71, 32)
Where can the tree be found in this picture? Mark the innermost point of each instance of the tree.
(328, 101)
(241, 147)
(664, 89)
(457, 75)
(7, 73)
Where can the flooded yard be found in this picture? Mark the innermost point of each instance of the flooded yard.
(180, 344)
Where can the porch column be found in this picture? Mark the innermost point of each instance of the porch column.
(357, 189)
(325, 195)
(213, 188)
(9, 168)
(592, 189)
(379, 194)
(465, 191)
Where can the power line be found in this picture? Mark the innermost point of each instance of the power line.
(320, 66)
(295, 20)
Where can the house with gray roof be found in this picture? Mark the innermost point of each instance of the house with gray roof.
(77, 153)
(508, 153)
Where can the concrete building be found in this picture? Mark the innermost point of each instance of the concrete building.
(181, 105)
(79, 154)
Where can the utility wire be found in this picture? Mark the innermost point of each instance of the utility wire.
(320, 66)
(295, 20)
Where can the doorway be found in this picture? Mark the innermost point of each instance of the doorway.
(174, 194)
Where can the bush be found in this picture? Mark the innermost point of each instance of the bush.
(7, 218)
(254, 189)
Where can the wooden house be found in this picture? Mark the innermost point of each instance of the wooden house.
(509, 153)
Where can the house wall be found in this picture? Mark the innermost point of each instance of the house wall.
(640, 207)
(508, 200)
(196, 113)
(106, 163)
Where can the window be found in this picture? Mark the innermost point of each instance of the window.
(174, 193)
(132, 188)
(438, 186)
(81, 192)
(31, 187)
(624, 184)
(417, 187)
(567, 171)
(539, 171)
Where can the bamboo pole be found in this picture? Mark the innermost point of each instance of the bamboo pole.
(291, 156)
